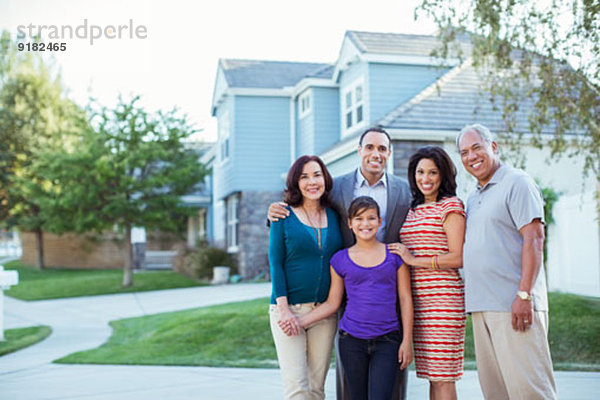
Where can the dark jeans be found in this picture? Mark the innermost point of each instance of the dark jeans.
(370, 365)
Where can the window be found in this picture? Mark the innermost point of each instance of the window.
(232, 223)
(224, 130)
(305, 104)
(353, 106)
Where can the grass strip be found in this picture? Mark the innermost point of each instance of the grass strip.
(238, 335)
(19, 338)
(55, 283)
(229, 335)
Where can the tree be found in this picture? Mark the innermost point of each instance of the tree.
(546, 52)
(130, 170)
(34, 115)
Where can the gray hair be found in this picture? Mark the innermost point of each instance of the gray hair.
(483, 132)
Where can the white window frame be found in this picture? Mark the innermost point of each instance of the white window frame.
(305, 101)
(224, 135)
(231, 235)
(352, 109)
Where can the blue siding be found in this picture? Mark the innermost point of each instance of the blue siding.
(261, 143)
(223, 170)
(355, 71)
(326, 116)
(344, 165)
(391, 85)
(305, 130)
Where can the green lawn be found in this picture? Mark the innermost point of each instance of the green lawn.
(54, 283)
(238, 335)
(230, 335)
(19, 338)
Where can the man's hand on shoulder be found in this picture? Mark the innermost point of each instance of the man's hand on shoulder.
(277, 211)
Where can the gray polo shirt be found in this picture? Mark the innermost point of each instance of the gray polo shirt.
(493, 243)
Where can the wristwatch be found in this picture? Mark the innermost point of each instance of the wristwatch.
(524, 295)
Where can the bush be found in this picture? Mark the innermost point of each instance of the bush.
(198, 263)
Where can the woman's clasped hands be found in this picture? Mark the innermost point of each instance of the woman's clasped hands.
(289, 323)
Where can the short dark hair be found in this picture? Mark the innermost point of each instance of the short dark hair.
(292, 194)
(375, 129)
(446, 167)
(362, 204)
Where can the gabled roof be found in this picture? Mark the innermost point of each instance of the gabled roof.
(454, 101)
(397, 43)
(271, 74)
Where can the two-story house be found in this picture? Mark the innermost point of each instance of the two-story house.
(271, 112)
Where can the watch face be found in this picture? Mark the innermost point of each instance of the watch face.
(524, 295)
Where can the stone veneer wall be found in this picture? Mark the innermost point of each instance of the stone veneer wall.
(402, 152)
(253, 234)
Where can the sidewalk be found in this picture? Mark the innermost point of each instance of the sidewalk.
(82, 323)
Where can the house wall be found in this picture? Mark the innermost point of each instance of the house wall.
(253, 233)
(391, 85)
(573, 256)
(222, 176)
(402, 150)
(344, 165)
(320, 129)
(326, 115)
(261, 143)
(74, 251)
(305, 128)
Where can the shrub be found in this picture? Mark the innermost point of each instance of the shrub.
(198, 263)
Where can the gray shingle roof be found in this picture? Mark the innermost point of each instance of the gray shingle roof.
(397, 43)
(271, 74)
(457, 103)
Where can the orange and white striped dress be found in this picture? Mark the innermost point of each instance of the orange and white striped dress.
(438, 296)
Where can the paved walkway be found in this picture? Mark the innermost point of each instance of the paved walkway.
(82, 323)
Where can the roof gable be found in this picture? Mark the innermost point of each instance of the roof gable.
(270, 74)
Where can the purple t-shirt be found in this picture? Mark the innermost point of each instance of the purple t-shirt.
(372, 293)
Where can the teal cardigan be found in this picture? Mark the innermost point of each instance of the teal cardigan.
(299, 270)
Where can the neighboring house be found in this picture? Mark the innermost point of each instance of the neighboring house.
(271, 112)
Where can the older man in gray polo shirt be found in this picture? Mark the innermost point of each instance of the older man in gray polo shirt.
(505, 285)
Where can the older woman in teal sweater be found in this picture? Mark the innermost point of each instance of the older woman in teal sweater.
(300, 247)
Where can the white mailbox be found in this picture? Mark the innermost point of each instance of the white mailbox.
(7, 279)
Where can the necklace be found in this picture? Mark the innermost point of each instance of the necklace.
(316, 229)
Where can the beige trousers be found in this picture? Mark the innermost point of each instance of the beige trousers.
(513, 365)
(304, 359)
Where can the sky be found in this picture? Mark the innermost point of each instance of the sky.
(173, 61)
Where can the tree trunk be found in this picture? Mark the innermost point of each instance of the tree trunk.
(127, 265)
(39, 236)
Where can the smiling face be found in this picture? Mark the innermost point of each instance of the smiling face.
(479, 157)
(374, 152)
(311, 182)
(428, 178)
(365, 223)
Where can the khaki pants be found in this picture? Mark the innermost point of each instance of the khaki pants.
(304, 359)
(510, 364)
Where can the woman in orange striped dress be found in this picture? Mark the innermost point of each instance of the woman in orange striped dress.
(431, 243)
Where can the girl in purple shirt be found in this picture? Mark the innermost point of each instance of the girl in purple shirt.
(370, 343)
